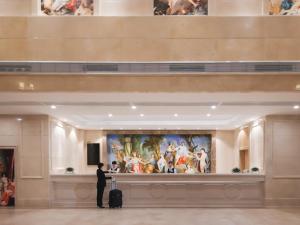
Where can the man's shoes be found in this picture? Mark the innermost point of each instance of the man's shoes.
(101, 207)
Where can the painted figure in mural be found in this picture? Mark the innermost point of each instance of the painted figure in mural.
(85, 9)
(152, 161)
(201, 158)
(67, 7)
(180, 7)
(127, 146)
(162, 164)
(151, 165)
(181, 154)
(190, 169)
(8, 194)
(136, 163)
(128, 164)
(284, 7)
(170, 153)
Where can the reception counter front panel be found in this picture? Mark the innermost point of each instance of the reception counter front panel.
(162, 190)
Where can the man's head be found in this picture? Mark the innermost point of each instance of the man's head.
(100, 165)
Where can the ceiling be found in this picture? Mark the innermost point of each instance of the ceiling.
(91, 110)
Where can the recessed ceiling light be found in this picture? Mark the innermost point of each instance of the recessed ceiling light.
(296, 106)
(133, 107)
(159, 128)
(298, 87)
(176, 115)
(142, 115)
(208, 115)
(121, 128)
(140, 128)
(53, 106)
(213, 107)
(19, 119)
(110, 115)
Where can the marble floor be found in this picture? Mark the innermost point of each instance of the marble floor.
(149, 216)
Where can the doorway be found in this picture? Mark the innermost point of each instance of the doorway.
(7, 180)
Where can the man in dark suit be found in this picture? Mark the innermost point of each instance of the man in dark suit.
(100, 185)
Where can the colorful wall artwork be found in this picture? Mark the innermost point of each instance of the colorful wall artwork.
(7, 184)
(180, 7)
(165, 153)
(67, 7)
(284, 7)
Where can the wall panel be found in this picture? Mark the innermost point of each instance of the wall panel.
(149, 38)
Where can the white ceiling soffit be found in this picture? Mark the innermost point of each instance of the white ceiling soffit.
(91, 110)
(80, 68)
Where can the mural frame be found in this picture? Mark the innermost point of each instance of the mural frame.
(166, 132)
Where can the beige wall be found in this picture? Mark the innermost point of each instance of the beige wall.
(256, 144)
(30, 137)
(235, 7)
(126, 8)
(67, 145)
(282, 141)
(250, 137)
(17, 7)
(224, 151)
(149, 38)
(94, 137)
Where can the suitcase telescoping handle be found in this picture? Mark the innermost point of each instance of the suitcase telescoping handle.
(113, 183)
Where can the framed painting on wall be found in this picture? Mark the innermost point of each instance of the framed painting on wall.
(180, 7)
(7, 180)
(283, 7)
(161, 153)
(67, 7)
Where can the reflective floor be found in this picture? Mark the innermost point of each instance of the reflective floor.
(146, 216)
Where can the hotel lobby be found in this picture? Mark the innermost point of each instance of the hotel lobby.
(196, 101)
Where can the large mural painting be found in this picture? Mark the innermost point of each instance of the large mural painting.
(284, 7)
(165, 153)
(67, 7)
(7, 183)
(180, 7)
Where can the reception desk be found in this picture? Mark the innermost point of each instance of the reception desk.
(162, 190)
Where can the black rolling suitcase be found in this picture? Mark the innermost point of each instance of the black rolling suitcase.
(115, 196)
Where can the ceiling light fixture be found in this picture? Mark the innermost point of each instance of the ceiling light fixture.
(176, 115)
(296, 106)
(19, 119)
(142, 115)
(208, 115)
(213, 107)
(140, 128)
(298, 87)
(53, 106)
(133, 107)
(110, 115)
(121, 128)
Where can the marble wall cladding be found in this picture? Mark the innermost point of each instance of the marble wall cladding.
(17, 7)
(30, 138)
(131, 83)
(224, 151)
(282, 160)
(235, 7)
(149, 38)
